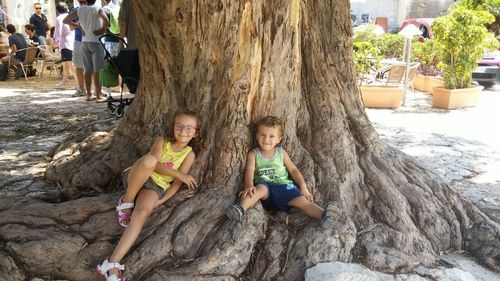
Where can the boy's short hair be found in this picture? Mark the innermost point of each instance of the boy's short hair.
(11, 28)
(271, 121)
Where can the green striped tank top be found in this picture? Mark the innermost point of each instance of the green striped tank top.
(270, 170)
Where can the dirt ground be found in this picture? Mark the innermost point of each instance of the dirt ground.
(35, 117)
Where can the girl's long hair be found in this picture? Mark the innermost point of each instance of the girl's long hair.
(197, 141)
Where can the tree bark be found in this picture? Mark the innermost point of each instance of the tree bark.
(234, 62)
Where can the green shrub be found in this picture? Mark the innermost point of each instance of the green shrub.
(460, 39)
(366, 58)
(426, 53)
(390, 45)
(365, 51)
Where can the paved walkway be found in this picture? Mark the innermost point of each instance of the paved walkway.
(462, 145)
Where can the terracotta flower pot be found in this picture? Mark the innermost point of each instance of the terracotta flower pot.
(457, 98)
(425, 83)
(382, 96)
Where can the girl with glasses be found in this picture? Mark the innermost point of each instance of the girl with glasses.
(150, 182)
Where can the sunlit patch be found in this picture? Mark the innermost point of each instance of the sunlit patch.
(57, 100)
(4, 93)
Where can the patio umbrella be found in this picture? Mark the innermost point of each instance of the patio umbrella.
(375, 29)
(408, 32)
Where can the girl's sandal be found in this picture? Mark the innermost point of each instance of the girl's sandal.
(106, 266)
(124, 217)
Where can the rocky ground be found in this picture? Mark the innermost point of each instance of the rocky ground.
(462, 145)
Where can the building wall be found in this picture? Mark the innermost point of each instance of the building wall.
(396, 11)
(369, 10)
(428, 8)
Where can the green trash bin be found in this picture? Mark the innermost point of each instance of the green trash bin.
(108, 76)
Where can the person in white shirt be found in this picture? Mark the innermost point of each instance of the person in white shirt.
(93, 23)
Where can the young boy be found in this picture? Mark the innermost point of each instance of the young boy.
(266, 179)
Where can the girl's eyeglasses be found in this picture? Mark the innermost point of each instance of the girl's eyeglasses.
(179, 127)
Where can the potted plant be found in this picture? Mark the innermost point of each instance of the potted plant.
(365, 53)
(366, 57)
(428, 75)
(460, 38)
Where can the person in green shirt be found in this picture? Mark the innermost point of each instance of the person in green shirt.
(267, 179)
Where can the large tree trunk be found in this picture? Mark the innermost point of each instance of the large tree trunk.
(233, 62)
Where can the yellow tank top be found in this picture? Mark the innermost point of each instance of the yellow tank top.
(173, 160)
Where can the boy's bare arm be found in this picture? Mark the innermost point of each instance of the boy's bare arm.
(249, 171)
(296, 176)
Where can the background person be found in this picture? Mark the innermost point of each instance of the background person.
(128, 28)
(93, 23)
(30, 30)
(16, 42)
(78, 54)
(4, 42)
(65, 37)
(39, 20)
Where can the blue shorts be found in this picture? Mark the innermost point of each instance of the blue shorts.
(278, 195)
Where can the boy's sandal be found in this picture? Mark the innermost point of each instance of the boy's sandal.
(235, 212)
(331, 215)
(124, 217)
(106, 266)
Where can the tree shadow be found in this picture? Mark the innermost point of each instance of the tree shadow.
(34, 121)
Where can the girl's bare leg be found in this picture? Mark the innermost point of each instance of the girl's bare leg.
(138, 175)
(146, 200)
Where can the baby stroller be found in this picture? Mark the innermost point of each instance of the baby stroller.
(123, 62)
